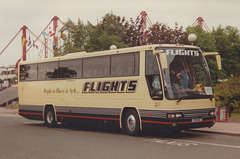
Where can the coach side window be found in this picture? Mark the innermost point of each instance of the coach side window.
(152, 76)
(125, 64)
(48, 70)
(28, 72)
(70, 68)
(96, 66)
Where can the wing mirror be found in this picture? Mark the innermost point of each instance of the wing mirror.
(218, 58)
(162, 57)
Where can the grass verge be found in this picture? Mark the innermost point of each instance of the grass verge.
(235, 115)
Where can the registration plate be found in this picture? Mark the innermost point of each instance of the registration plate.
(197, 120)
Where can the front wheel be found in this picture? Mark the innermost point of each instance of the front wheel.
(131, 123)
(49, 118)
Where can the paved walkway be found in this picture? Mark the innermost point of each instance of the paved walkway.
(227, 128)
(8, 112)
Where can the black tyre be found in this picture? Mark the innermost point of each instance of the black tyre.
(49, 118)
(131, 123)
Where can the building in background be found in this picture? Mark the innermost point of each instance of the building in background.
(6, 74)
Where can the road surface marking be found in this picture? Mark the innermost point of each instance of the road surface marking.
(212, 144)
(172, 142)
(177, 142)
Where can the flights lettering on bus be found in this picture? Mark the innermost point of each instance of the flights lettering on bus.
(182, 52)
(110, 87)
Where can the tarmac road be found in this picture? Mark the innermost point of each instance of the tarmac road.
(28, 139)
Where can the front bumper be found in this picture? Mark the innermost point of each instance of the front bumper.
(165, 125)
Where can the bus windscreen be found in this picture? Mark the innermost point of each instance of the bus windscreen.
(187, 76)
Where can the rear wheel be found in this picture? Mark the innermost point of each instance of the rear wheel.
(131, 123)
(49, 118)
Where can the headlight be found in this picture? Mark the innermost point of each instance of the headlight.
(212, 113)
(175, 115)
(179, 115)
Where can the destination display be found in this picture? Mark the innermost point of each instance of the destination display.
(182, 52)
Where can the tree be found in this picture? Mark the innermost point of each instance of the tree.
(110, 31)
(75, 39)
(133, 34)
(228, 93)
(114, 30)
(205, 40)
(227, 42)
(162, 34)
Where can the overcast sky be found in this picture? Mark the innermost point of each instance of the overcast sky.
(37, 14)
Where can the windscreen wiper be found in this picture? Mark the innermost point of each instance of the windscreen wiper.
(186, 97)
(180, 99)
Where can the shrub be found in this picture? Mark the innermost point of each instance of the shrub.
(228, 93)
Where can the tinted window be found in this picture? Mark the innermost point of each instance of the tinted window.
(125, 64)
(70, 68)
(28, 72)
(48, 70)
(96, 66)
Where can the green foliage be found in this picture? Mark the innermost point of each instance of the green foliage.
(205, 40)
(110, 31)
(77, 37)
(13, 80)
(228, 93)
(227, 41)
